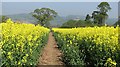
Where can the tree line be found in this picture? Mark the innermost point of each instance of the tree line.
(97, 18)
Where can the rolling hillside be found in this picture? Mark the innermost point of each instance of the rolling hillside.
(59, 20)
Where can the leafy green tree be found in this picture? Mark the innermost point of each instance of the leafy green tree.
(3, 19)
(69, 23)
(103, 7)
(74, 23)
(119, 21)
(44, 15)
(95, 16)
(101, 15)
(87, 17)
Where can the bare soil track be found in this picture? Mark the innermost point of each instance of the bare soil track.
(51, 55)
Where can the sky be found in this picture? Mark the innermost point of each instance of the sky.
(119, 9)
(62, 8)
(59, 0)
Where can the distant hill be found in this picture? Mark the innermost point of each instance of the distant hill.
(27, 18)
(117, 23)
(59, 20)
(111, 21)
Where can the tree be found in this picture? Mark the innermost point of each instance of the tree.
(101, 15)
(74, 23)
(103, 8)
(69, 24)
(87, 17)
(119, 21)
(95, 16)
(4, 18)
(44, 15)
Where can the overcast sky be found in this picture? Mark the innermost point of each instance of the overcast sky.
(63, 8)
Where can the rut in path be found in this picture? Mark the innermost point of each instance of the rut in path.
(51, 55)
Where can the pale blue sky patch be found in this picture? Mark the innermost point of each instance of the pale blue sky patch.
(0, 11)
(63, 8)
(59, 0)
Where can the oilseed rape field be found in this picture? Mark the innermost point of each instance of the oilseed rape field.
(89, 46)
(21, 43)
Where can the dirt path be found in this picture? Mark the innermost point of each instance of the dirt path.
(51, 54)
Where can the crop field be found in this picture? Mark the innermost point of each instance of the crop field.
(60, 34)
(89, 46)
(21, 43)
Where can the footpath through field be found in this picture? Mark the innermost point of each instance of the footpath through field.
(51, 55)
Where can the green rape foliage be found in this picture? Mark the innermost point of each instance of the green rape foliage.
(89, 46)
(21, 43)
